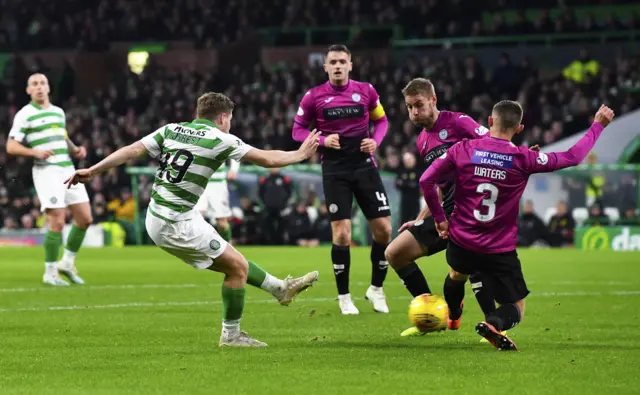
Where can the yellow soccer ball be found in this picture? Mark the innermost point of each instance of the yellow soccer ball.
(429, 313)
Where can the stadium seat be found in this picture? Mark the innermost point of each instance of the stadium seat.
(580, 214)
(613, 213)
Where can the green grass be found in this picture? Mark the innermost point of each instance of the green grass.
(149, 324)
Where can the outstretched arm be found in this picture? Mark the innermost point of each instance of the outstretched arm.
(119, 157)
(542, 163)
(275, 158)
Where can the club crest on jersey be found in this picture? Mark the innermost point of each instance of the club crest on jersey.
(443, 134)
(214, 244)
(355, 97)
(481, 130)
(542, 158)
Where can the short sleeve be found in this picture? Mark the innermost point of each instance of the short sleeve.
(306, 111)
(18, 127)
(153, 142)
(240, 148)
(469, 128)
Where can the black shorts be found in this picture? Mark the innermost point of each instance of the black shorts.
(502, 271)
(365, 185)
(427, 235)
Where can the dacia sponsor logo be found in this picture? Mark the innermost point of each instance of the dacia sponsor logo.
(343, 112)
(435, 153)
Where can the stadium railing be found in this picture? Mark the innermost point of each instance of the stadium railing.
(305, 177)
(546, 39)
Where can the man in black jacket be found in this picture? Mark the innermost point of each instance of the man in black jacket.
(275, 191)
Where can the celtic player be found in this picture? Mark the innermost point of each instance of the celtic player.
(214, 202)
(38, 132)
(189, 153)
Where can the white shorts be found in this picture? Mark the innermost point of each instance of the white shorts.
(193, 240)
(51, 189)
(214, 202)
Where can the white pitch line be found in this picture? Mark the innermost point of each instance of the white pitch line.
(250, 301)
(45, 288)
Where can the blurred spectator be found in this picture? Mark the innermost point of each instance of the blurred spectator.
(274, 191)
(247, 228)
(630, 217)
(561, 226)
(299, 227)
(597, 217)
(407, 184)
(595, 183)
(531, 229)
(582, 70)
(322, 225)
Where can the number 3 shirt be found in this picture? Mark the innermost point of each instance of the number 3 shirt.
(188, 153)
(490, 177)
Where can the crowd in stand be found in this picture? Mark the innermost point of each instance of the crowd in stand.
(93, 24)
(134, 105)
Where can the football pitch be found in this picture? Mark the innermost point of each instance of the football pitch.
(149, 324)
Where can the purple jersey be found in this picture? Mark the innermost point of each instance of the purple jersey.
(450, 127)
(490, 177)
(345, 111)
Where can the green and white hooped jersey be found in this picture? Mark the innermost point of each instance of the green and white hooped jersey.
(189, 154)
(43, 128)
(220, 175)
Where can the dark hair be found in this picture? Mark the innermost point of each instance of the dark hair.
(212, 104)
(509, 114)
(339, 48)
(419, 86)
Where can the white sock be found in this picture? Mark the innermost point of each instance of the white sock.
(375, 289)
(230, 328)
(273, 285)
(49, 264)
(69, 256)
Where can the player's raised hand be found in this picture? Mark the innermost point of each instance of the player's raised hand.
(80, 176)
(332, 141)
(604, 115)
(368, 145)
(443, 229)
(81, 153)
(42, 154)
(310, 144)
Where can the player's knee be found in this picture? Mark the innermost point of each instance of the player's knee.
(56, 220)
(457, 276)
(393, 255)
(85, 221)
(342, 234)
(239, 268)
(222, 223)
(382, 232)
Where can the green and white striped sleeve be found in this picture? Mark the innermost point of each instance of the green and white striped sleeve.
(153, 142)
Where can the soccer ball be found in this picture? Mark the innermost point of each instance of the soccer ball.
(429, 313)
